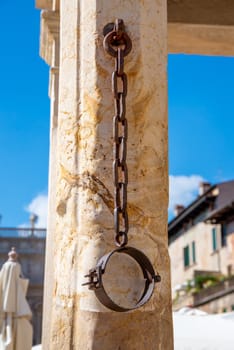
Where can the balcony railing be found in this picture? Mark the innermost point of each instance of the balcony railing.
(214, 292)
(20, 232)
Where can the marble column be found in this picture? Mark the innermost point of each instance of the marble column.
(82, 191)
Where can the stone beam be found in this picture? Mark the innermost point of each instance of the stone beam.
(203, 12)
(201, 39)
(204, 27)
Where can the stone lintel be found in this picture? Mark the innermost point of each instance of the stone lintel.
(213, 40)
(213, 12)
(194, 27)
(209, 12)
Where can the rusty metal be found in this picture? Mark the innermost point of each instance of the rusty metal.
(118, 44)
(114, 37)
(96, 282)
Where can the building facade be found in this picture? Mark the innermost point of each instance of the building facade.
(201, 248)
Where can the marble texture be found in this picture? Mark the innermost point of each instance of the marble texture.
(82, 190)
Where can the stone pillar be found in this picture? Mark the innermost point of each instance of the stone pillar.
(82, 214)
(50, 52)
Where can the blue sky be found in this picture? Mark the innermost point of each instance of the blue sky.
(201, 123)
(24, 111)
(201, 119)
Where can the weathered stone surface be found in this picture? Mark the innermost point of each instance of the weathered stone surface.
(83, 214)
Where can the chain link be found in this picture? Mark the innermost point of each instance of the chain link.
(118, 44)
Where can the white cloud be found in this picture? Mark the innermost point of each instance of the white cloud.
(39, 206)
(183, 189)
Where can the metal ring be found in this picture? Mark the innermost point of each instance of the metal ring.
(97, 286)
(121, 239)
(110, 38)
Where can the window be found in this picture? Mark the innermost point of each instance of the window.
(186, 256)
(214, 239)
(189, 249)
(223, 235)
(193, 252)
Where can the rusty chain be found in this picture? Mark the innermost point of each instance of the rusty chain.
(118, 44)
